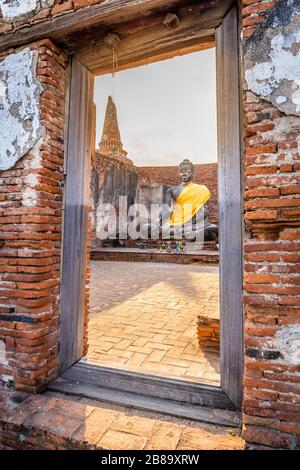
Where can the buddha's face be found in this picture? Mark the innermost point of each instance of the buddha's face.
(186, 173)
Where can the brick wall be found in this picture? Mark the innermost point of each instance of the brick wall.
(31, 225)
(168, 175)
(40, 11)
(271, 406)
(111, 177)
(254, 12)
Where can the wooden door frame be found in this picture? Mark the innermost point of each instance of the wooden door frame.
(229, 394)
(76, 213)
(230, 206)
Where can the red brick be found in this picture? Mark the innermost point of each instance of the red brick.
(293, 189)
(85, 3)
(288, 145)
(290, 213)
(257, 149)
(286, 167)
(261, 215)
(257, 7)
(260, 330)
(61, 8)
(260, 278)
(290, 234)
(263, 192)
(252, 20)
(250, 2)
(267, 289)
(296, 165)
(261, 170)
(265, 436)
(267, 203)
(271, 246)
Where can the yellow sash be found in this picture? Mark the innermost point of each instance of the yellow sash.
(188, 203)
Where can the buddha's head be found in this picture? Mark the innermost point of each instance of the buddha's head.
(186, 170)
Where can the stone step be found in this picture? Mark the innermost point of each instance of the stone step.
(138, 383)
(53, 421)
(146, 403)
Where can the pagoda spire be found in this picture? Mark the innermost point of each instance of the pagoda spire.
(111, 139)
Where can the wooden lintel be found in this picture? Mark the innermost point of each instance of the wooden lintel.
(98, 60)
(200, 46)
(65, 29)
(153, 42)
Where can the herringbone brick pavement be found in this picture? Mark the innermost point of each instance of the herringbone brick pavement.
(143, 318)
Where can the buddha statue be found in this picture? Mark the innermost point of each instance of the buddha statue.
(185, 211)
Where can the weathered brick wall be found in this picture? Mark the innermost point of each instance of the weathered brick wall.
(254, 12)
(110, 179)
(271, 406)
(206, 173)
(31, 196)
(13, 17)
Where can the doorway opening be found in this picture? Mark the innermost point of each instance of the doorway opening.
(154, 302)
(142, 284)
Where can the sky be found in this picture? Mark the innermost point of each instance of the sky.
(166, 110)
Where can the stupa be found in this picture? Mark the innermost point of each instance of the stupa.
(111, 144)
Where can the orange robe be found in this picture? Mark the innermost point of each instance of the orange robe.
(191, 199)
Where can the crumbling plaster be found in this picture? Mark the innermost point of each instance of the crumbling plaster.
(287, 341)
(13, 9)
(272, 58)
(19, 106)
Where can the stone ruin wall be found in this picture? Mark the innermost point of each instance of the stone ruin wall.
(110, 179)
(143, 185)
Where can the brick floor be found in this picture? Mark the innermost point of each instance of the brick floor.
(54, 421)
(143, 318)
